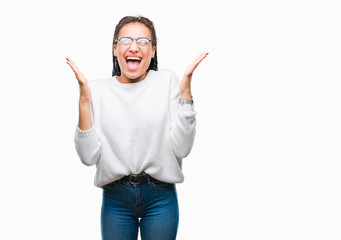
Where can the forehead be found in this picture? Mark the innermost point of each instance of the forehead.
(134, 30)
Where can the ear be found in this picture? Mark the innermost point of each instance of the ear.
(153, 53)
(115, 50)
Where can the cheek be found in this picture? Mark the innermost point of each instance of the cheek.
(120, 57)
(149, 55)
(148, 59)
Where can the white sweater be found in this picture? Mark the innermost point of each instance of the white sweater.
(137, 127)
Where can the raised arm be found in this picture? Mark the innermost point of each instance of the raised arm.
(85, 121)
(183, 121)
(86, 141)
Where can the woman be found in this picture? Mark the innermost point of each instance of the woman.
(136, 127)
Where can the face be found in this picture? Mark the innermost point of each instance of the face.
(134, 60)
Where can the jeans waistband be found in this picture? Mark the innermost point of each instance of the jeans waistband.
(138, 178)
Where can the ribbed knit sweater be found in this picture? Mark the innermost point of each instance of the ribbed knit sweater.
(137, 127)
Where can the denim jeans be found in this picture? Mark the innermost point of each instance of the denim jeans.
(152, 207)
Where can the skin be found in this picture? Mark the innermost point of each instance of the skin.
(133, 30)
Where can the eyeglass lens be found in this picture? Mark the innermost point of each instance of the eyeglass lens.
(127, 41)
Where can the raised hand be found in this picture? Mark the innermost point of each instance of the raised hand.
(185, 84)
(80, 77)
(83, 82)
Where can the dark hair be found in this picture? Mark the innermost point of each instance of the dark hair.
(131, 19)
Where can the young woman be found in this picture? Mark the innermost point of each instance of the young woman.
(136, 127)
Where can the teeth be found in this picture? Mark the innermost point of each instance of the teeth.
(133, 58)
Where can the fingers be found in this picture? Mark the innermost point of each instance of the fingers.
(195, 63)
(200, 58)
(73, 65)
(80, 77)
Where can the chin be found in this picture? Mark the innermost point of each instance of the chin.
(132, 75)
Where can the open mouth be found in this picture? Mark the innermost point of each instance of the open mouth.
(133, 62)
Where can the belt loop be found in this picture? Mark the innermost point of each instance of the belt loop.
(148, 178)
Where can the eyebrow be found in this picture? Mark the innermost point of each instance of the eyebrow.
(134, 38)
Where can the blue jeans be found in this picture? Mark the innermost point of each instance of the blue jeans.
(152, 207)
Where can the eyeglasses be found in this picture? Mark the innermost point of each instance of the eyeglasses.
(141, 42)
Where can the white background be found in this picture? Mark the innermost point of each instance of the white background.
(266, 159)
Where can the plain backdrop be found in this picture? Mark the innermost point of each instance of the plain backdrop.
(266, 158)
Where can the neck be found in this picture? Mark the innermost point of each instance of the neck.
(124, 79)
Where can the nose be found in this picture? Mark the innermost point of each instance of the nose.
(133, 46)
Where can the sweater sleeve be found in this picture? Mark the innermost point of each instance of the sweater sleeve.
(183, 122)
(88, 145)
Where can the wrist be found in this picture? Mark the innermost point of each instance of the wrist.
(186, 94)
(84, 100)
(84, 95)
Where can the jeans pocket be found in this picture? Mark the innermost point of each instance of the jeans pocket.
(158, 185)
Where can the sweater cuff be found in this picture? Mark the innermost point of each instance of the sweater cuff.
(187, 107)
(86, 133)
(187, 110)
